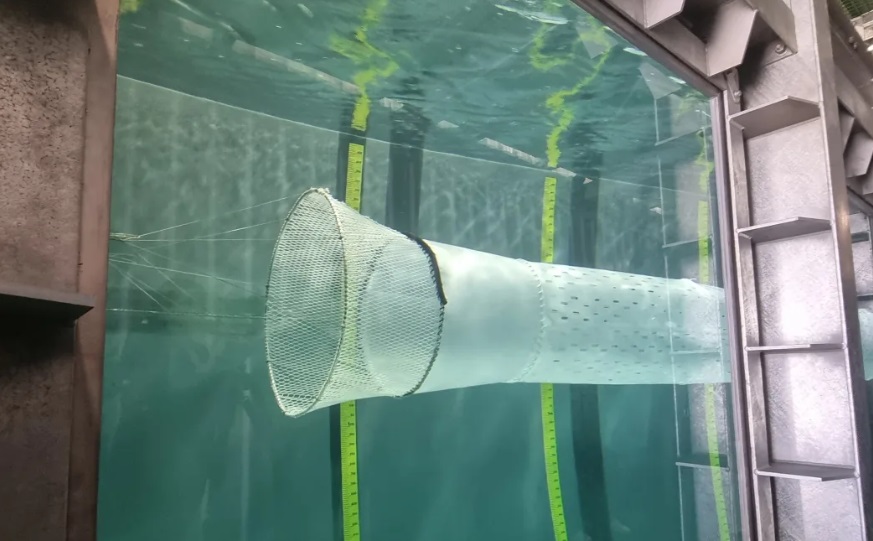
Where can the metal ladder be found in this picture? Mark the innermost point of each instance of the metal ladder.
(803, 401)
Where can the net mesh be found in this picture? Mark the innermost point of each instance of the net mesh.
(353, 308)
(609, 327)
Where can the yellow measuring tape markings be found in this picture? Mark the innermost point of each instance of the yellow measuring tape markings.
(355, 176)
(553, 475)
(550, 200)
(349, 457)
(348, 410)
(703, 253)
(374, 64)
(547, 390)
(556, 103)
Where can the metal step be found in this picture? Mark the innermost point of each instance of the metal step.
(690, 243)
(696, 352)
(19, 303)
(807, 472)
(774, 116)
(702, 462)
(783, 229)
(797, 348)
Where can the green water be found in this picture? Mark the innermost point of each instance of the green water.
(229, 110)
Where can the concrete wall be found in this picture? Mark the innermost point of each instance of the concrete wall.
(45, 82)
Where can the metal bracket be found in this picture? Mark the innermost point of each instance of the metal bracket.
(733, 85)
(774, 52)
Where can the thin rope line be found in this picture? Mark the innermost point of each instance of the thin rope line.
(137, 283)
(212, 217)
(186, 272)
(229, 281)
(132, 281)
(158, 293)
(162, 273)
(126, 237)
(132, 240)
(237, 229)
(171, 260)
(197, 314)
(173, 242)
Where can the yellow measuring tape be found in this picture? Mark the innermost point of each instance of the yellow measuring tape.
(547, 390)
(349, 457)
(556, 103)
(550, 200)
(703, 253)
(355, 176)
(374, 64)
(348, 410)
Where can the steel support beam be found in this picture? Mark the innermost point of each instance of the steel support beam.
(731, 26)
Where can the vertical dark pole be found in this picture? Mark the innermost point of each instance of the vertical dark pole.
(406, 157)
(583, 217)
(585, 399)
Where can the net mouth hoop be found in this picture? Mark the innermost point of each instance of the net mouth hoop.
(272, 367)
(320, 270)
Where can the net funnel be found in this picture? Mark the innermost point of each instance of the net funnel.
(358, 310)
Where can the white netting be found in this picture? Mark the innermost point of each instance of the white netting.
(611, 327)
(509, 320)
(353, 308)
(357, 310)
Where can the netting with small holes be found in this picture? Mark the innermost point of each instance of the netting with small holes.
(352, 309)
(610, 327)
(358, 310)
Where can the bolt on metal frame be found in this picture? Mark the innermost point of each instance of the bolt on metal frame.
(793, 128)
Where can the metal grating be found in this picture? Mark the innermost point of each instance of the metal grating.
(856, 8)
